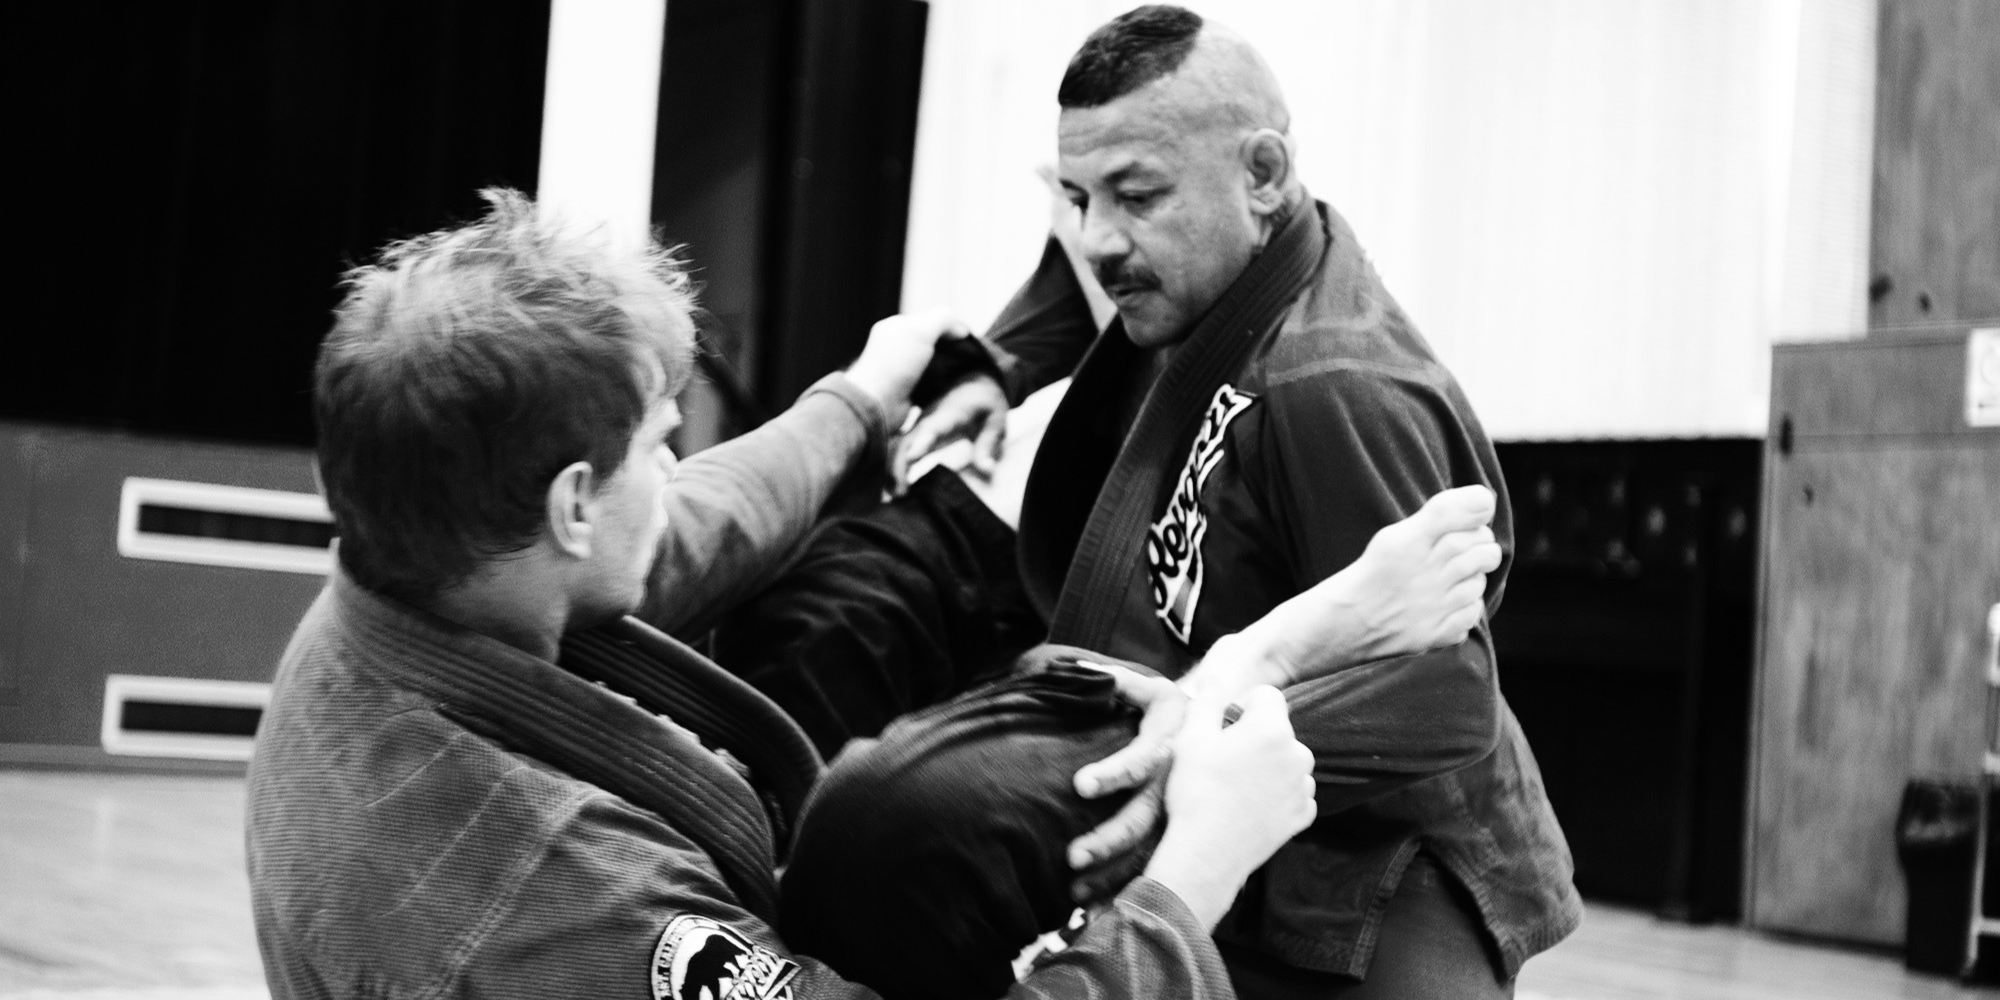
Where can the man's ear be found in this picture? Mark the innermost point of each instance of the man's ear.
(1267, 157)
(571, 510)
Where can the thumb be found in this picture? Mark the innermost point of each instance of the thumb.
(1461, 509)
(1264, 708)
(920, 440)
(915, 445)
(986, 449)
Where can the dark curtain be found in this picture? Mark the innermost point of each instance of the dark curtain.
(199, 174)
(783, 167)
(845, 181)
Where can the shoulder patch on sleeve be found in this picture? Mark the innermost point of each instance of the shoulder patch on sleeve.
(1173, 543)
(703, 959)
(1054, 942)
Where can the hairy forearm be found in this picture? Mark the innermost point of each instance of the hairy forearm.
(1324, 629)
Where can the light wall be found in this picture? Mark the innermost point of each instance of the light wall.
(1601, 214)
(599, 112)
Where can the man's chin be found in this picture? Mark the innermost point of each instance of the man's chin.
(1151, 328)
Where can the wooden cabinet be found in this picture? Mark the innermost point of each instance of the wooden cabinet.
(1881, 558)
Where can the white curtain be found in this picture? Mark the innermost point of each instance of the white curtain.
(1600, 213)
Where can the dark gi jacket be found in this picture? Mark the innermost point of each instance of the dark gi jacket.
(1303, 413)
(419, 823)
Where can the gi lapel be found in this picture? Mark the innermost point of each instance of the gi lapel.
(1072, 464)
(531, 706)
(668, 678)
(1093, 593)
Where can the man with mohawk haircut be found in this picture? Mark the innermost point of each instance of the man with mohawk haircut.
(1258, 408)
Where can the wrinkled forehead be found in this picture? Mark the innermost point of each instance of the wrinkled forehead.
(1104, 143)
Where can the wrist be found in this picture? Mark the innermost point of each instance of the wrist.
(1329, 626)
(1206, 887)
(890, 399)
(1235, 663)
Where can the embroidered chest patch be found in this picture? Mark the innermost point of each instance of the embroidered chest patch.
(701, 959)
(1173, 543)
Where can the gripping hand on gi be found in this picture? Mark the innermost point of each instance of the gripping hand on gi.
(975, 409)
(894, 358)
(1419, 585)
(1237, 793)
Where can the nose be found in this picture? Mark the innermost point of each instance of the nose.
(1100, 237)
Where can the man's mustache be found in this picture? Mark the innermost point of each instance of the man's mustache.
(1120, 276)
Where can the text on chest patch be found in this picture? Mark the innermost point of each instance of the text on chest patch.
(1173, 543)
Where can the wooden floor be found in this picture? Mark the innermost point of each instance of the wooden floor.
(125, 887)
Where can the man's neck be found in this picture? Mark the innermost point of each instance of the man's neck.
(510, 604)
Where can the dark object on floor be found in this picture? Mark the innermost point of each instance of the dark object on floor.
(1934, 833)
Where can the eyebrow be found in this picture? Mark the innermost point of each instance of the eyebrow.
(1123, 174)
(1133, 170)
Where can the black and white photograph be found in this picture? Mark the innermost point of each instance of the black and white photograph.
(964, 499)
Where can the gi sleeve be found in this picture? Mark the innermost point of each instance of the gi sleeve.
(621, 905)
(1145, 944)
(1044, 330)
(1352, 447)
(738, 513)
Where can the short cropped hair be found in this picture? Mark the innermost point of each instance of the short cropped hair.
(1132, 50)
(469, 366)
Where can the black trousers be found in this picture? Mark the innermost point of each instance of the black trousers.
(884, 613)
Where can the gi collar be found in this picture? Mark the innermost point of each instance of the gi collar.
(529, 705)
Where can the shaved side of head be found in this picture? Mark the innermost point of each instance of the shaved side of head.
(1208, 72)
(1226, 78)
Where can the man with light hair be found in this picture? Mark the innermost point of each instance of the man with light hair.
(1259, 407)
(437, 806)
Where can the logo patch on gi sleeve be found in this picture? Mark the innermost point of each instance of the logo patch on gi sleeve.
(701, 959)
(1173, 543)
(1054, 942)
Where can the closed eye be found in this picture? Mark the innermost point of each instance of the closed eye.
(1141, 198)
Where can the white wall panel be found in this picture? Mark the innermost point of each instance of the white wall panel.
(600, 113)
(1601, 214)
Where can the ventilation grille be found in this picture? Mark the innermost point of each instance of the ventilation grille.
(181, 717)
(224, 526)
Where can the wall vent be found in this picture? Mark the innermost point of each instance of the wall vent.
(224, 526)
(181, 717)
